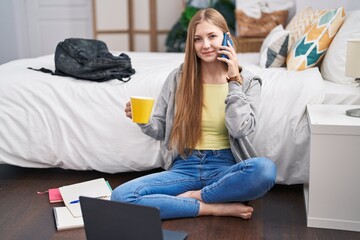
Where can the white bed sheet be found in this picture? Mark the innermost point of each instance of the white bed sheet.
(341, 93)
(52, 121)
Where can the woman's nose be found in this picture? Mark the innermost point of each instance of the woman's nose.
(206, 44)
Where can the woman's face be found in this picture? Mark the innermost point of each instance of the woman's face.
(207, 41)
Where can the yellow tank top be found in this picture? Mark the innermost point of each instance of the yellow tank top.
(214, 132)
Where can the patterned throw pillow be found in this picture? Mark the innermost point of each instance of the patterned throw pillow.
(311, 47)
(300, 22)
(274, 49)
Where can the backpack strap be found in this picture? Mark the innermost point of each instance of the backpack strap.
(59, 73)
(44, 70)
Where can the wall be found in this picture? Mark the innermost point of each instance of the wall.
(9, 44)
(50, 22)
(31, 28)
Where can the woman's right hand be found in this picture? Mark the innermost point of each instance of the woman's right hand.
(128, 110)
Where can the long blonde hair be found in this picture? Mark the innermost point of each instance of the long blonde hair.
(186, 131)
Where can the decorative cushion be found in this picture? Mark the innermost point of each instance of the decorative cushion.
(300, 22)
(311, 47)
(274, 49)
(333, 64)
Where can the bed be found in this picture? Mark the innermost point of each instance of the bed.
(53, 121)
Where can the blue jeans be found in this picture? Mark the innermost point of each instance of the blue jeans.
(215, 172)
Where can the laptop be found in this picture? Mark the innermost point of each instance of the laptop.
(105, 219)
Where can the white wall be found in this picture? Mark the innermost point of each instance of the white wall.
(31, 28)
(50, 22)
(9, 49)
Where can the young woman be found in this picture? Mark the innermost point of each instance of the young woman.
(203, 116)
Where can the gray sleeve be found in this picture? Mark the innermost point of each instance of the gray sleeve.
(241, 105)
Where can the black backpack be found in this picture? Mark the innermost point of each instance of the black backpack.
(89, 59)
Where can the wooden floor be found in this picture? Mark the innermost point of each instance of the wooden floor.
(26, 215)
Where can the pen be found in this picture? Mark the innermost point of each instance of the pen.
(101, 197)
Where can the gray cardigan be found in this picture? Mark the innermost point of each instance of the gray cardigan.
(241, 105)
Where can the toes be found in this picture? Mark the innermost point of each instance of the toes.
(247, 215)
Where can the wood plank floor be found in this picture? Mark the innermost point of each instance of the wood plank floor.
(26, 215)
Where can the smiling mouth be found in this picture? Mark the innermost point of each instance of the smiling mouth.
(208, 53)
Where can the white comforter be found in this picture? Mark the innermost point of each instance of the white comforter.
(52, 121)
(282, 133)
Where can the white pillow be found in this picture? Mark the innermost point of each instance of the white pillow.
(333, 65)
(274, 49)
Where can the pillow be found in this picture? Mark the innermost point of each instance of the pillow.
(274, 49)
(333, 65)
(300, 22)
(311, 47)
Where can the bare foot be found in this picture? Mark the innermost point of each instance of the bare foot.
(220, 209)
(226, 209)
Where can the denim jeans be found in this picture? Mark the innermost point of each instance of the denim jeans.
(215, 172)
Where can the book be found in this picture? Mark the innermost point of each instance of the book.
(55, 195)
(65, 220)
(97, 188)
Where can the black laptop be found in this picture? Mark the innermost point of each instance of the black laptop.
(105, 219)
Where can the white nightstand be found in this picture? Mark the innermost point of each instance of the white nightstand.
(332, 196)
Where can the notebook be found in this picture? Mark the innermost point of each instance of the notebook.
(116, 220)
(65, 220)
(97, 188)
(54, 195)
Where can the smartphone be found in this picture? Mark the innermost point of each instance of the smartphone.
(225, 43)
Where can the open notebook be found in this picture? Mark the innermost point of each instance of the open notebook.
(97, 188)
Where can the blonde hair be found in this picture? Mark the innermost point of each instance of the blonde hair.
(186, 131)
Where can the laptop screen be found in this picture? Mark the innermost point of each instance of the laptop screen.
(105, 219)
